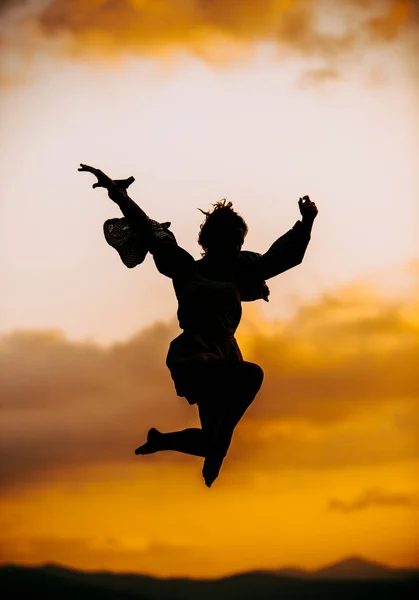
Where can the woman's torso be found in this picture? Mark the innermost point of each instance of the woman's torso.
(209, 312)
(208, 305)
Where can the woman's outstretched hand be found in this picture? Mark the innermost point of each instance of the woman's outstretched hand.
(102, 179)
(114, 187)
(308, 209)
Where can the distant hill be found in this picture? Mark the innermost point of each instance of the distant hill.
(351, 568)
(352, 578)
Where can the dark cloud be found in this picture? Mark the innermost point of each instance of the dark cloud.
(372, 499)
(67, 404)
(9, 5)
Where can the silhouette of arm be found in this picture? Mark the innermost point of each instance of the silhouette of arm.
(170, 259)
(288, 250)
(285, 253)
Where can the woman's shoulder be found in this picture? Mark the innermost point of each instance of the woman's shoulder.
(247, 257)
(252, 287)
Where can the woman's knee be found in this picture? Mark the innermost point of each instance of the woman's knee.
(254, 375)
(229, 377)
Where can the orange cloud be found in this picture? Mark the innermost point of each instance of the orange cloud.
(204, 27)
(347, 350)
(373, 498)
(388, 26)
(340, 388)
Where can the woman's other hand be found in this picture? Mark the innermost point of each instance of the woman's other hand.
(308, 209)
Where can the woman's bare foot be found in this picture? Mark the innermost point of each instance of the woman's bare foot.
(217, 451)
(212, 466)
(153, 443)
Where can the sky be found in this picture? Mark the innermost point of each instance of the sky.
(260, 103)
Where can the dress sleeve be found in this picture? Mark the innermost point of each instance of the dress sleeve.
(286, 252)
(170, 259)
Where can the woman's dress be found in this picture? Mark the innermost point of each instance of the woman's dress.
(209, 311)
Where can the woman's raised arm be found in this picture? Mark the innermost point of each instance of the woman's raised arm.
(171, 260)
(288, 250)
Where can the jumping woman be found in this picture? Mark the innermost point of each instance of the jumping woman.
(205, 361)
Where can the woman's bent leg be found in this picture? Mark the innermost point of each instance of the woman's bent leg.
(224, 392)
(245, 382)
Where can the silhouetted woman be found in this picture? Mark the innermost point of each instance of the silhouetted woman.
(204, 360)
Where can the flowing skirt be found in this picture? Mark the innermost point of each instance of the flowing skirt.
(189, 355)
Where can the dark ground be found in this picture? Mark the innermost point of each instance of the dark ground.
(53, 582)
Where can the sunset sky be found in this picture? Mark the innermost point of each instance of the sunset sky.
(260, 103)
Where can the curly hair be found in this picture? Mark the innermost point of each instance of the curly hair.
(221, 217)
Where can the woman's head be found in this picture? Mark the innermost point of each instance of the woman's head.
(223, 230)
